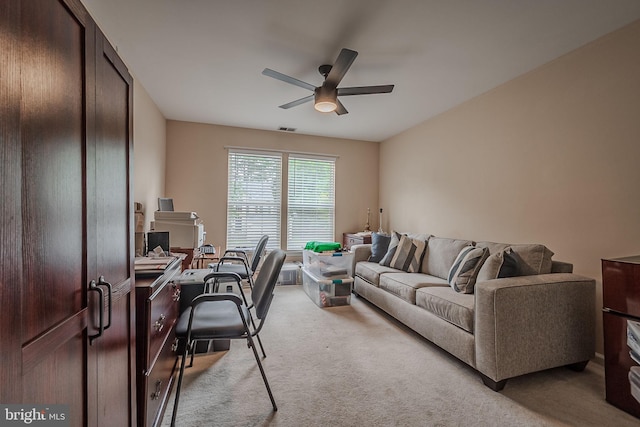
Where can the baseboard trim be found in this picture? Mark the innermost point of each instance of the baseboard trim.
(598, 358)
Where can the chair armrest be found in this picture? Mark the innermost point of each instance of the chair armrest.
(244, 262)
(222, 296)
(218, 274)
(529, 323)
(223, 274)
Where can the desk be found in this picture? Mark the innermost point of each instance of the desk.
(191, 253)
(202, 260)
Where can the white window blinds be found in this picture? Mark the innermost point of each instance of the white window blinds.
(311, 200)
(254, 198)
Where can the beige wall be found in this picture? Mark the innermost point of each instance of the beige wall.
(197, 171)
(149, 147)
(550, 157)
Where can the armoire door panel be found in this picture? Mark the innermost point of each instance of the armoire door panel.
(53, 168)
(113, 243)
(57, 379)
(112, 182)
(55, 59)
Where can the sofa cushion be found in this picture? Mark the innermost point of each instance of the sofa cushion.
(408, 255)
(499, 265)
(404, 285)
(391, 250)
(371, 271)
(447, 304)
(532, 258)
(440, 254)
(463, 272)
(379, 246)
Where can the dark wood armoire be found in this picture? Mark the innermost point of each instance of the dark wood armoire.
(67, 318)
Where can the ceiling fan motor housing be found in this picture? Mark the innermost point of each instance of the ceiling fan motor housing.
(325, 99)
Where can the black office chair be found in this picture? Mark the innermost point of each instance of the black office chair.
(224, 316)
(239, 263)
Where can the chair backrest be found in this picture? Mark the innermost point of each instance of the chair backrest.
(262, 292)
(259, 250)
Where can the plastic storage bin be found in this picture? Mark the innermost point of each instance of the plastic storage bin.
(336, 265)
(327, 292)
(289, 275)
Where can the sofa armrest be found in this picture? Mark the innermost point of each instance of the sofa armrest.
(530, 323)
(360, 253)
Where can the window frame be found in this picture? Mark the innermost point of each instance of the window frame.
(284, 156)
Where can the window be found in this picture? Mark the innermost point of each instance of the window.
(256, 205)
(311, 201)
(254, 198)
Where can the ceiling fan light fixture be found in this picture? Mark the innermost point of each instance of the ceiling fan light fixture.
(325, 100)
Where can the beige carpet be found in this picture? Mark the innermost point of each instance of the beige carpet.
(354, 366)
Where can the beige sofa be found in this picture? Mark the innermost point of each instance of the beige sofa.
(542, 318)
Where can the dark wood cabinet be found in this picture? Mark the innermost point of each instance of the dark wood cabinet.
(67, 327)
(350, 239)
(157, 306)
(621, 325)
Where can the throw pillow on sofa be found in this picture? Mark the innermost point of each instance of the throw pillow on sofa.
(408, 254)
(379, 246)
(391, 250)
(440, 254)
(499, 265)
(465, 268)
(532, 258)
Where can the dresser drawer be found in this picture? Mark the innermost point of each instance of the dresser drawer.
(163, 312)
(159, 381)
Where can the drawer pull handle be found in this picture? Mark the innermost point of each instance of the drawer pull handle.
(176, 295)
(159, 325)
(174, 345)
(156, 394)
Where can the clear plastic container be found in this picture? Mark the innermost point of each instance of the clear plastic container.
(327, 292)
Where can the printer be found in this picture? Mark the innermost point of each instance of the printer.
(185, 229)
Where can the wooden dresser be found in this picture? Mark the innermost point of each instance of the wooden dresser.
(157, 307)
(621, 325)
(350, 239)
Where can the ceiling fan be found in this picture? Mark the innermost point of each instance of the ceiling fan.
(326, 96)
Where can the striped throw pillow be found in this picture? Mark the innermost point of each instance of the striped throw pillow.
(391, 250)
(408, 254)
(464, 271)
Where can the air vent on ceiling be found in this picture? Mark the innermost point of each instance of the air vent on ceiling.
(285, 129)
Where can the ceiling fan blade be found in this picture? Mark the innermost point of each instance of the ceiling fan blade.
(340, 110)
(340, 67)
(364, 90)
(297, 102)
(283, 77)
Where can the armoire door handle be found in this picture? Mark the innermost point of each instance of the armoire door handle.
(94, 288)
(102, 282)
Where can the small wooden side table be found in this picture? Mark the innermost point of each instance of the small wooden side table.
(350, 239)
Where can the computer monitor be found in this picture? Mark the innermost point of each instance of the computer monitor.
(165, 204)
(158, 238)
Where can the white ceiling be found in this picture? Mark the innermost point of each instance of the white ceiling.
(201, 60)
